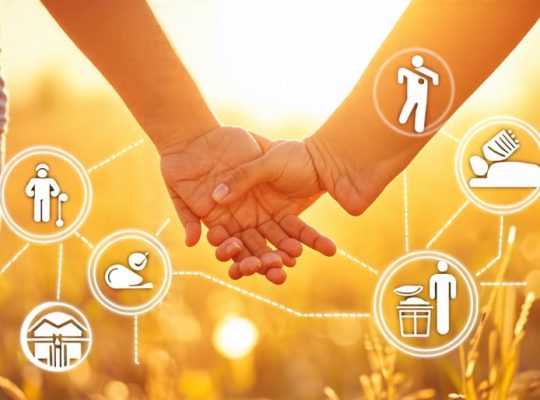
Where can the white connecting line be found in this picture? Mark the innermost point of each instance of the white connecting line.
(406, 209)
(499, 250)
(84, 240)
(268, 301)
(357, 261)
(14, 258)
(503, 283)
(449, 135)
(60, 262)
(115, 156)
(162, 227)
(448, 223)
(136, 340)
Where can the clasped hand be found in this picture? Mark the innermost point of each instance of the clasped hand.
(249, 192)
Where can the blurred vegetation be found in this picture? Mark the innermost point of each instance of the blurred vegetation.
(292, 358)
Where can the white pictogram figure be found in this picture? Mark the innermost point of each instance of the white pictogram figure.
(41, 189)
(442, 288)
(417, 91)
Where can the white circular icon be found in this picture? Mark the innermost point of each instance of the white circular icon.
(43, 190)
(123, 276)
(56, 337)
(413, 91)
(496, 164)
(431, 322)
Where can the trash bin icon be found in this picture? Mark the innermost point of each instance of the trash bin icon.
(414, 312)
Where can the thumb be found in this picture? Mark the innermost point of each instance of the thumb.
(242, 179)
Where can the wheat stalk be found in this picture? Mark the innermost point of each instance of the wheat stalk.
(11, 390)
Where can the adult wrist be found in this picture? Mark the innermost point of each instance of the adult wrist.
(171, 138)
(352, 177)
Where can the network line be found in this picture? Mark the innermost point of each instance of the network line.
(499, 249)
(406, 209)
(449, 135)
(270, 302)
(357, 261)
(136, 340)
(503, 283)
(14, 258)
(60, 262)
(162, 227)
(447, 224)
(115, 156)
(84, 240)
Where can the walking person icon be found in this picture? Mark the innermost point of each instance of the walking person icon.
(41, 189)
(417, 91)
(442, 288)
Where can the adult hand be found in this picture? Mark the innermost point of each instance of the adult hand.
(301, 170)
(286, 168)
(240, 228)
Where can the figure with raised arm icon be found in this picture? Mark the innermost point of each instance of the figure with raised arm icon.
(442, 288)
(417, 92)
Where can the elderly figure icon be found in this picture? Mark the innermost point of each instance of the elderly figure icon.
(118, 276)
(42, 188)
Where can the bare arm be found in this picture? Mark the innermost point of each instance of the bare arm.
(355, 154)
(125, 42)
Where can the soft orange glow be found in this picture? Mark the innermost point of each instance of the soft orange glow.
(235, 337)
(269, 61)
(279, 68)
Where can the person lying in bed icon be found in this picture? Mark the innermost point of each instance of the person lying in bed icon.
(501, 173)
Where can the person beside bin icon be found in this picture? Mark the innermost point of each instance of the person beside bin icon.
(415, 313)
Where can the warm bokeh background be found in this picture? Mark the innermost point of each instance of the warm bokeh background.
(278, 68)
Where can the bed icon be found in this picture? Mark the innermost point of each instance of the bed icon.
(495, 170)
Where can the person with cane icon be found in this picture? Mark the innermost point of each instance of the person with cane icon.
(41, 189)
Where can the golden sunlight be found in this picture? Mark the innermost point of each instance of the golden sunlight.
(281, 59)
(235, 337)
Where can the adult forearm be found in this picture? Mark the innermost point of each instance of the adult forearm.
(123, 39)
(473, 37)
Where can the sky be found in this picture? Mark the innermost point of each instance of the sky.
(230, 46)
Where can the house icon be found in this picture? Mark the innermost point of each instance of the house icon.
(58, 339)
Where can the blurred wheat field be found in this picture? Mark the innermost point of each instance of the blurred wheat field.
(57, 98)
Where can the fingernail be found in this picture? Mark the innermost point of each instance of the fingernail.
(233, 248)
(220, 192)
